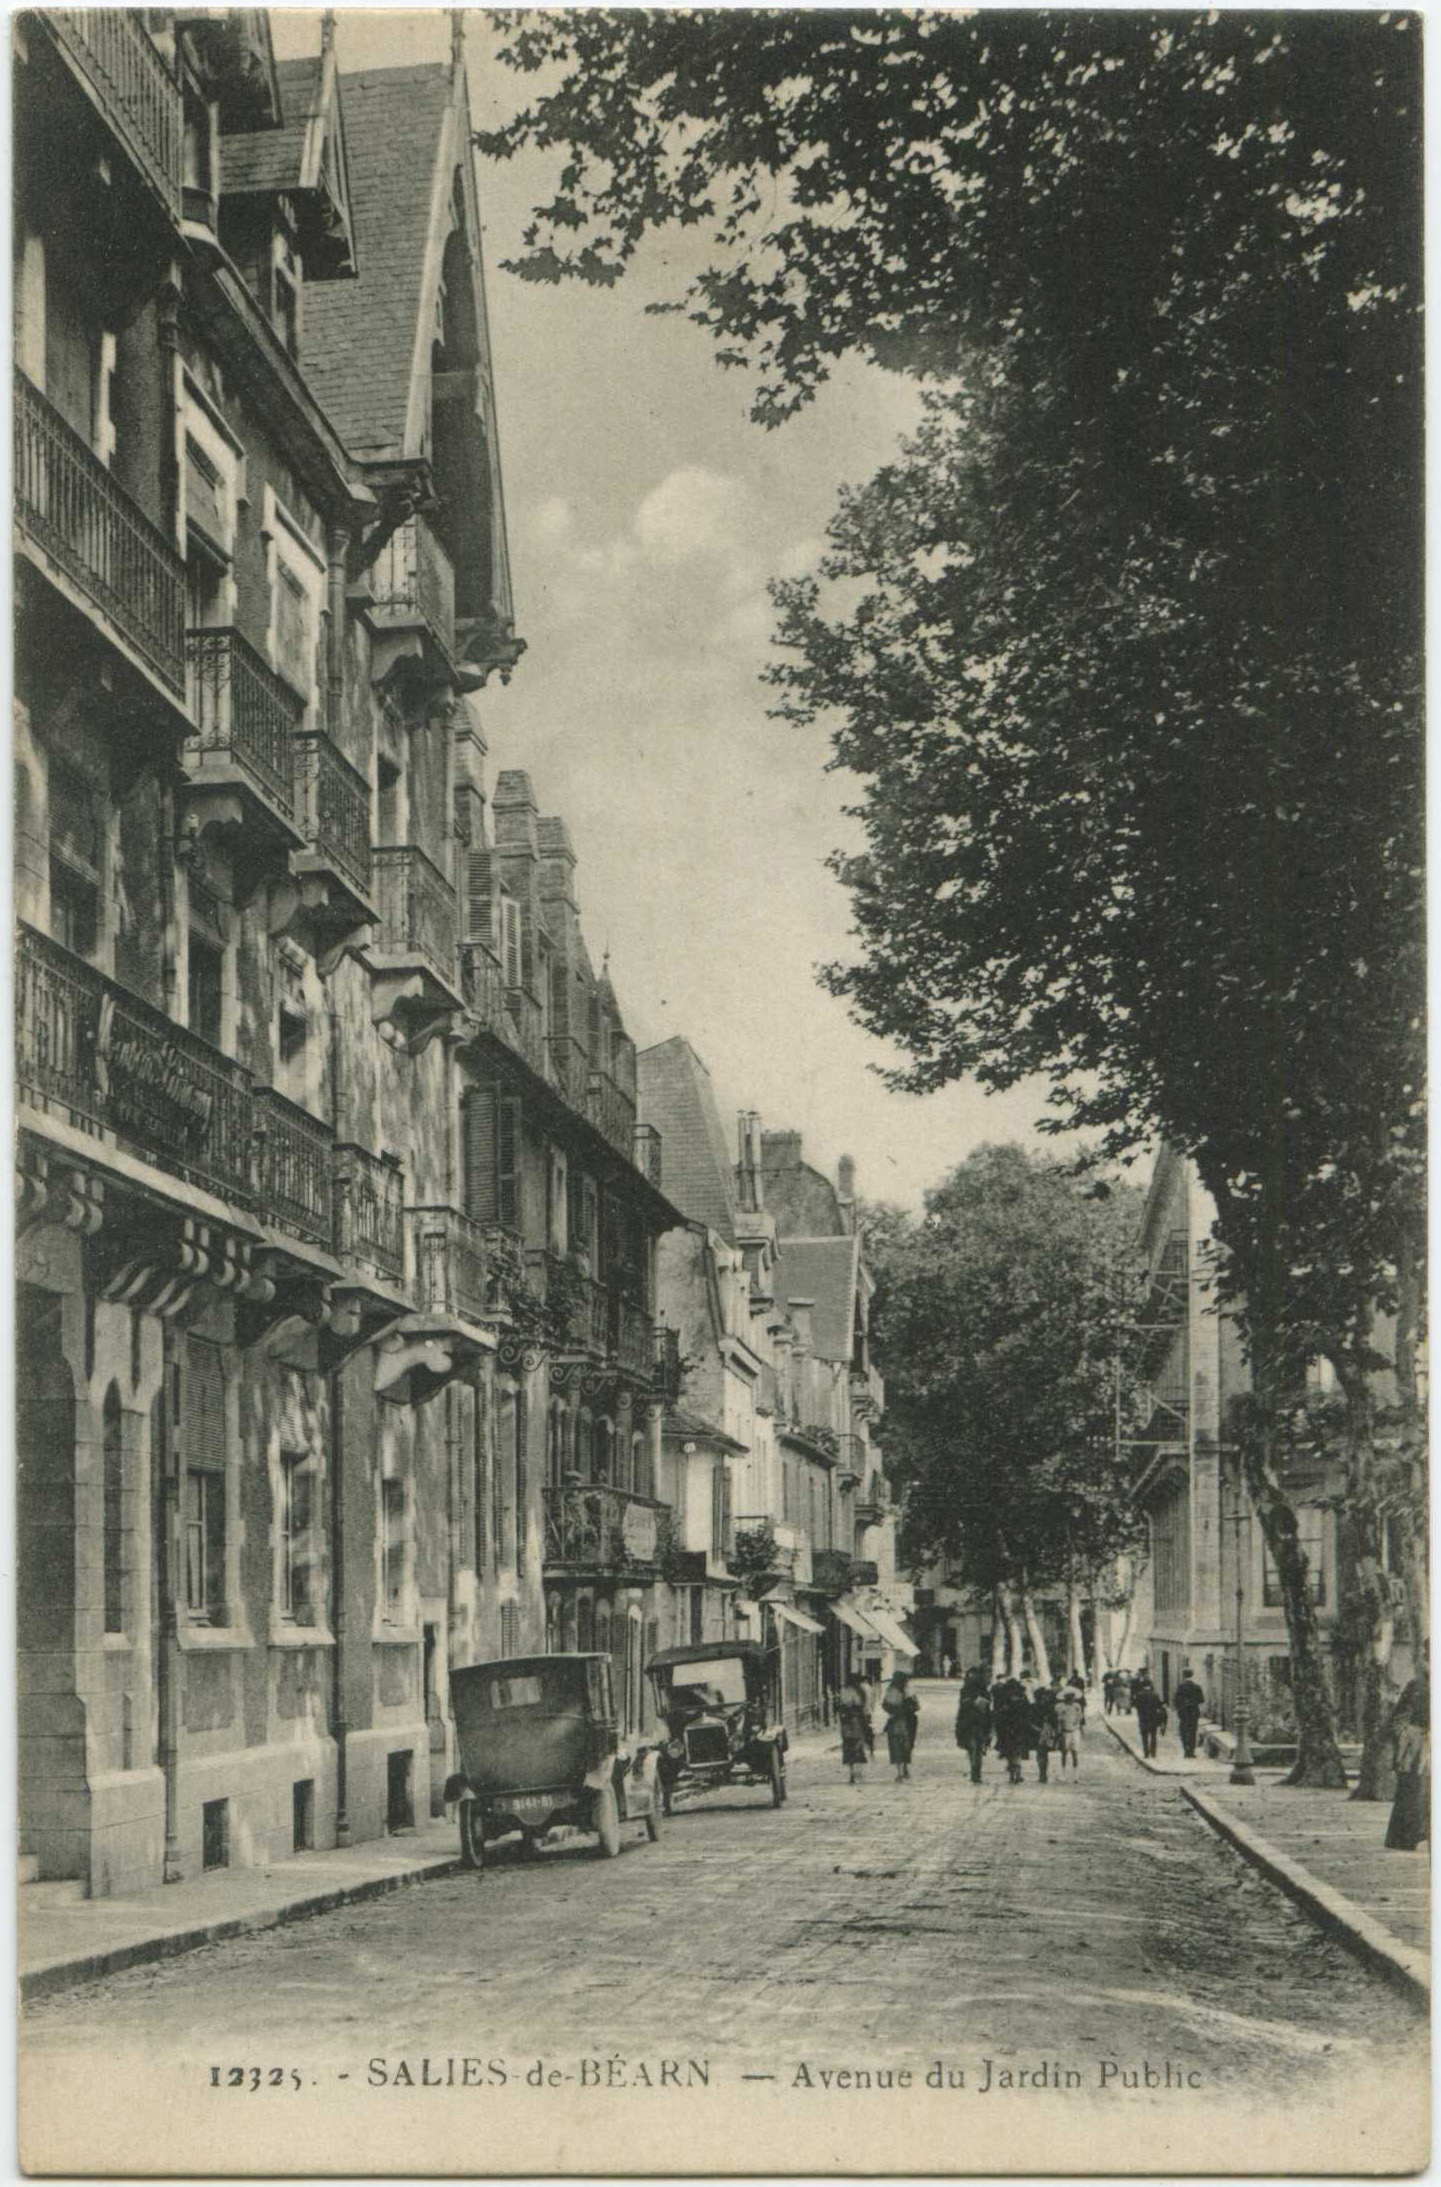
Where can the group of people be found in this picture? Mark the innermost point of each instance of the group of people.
(1020, 1717)
(1123, 1693)
(902, 1712)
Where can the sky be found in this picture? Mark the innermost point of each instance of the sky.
(645, 514)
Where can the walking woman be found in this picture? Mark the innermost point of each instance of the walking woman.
(973, 1720)
(903, 1714)
(1410, 1824)
(1011, 1717)
(853, 1713)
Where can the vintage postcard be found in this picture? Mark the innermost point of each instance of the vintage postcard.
(720, 1113)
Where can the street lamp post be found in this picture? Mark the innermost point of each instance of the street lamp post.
(1242, 1769)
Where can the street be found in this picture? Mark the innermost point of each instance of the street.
(1079, 1922)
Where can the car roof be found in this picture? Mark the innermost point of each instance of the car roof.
(708, 1651)
(517, 1665)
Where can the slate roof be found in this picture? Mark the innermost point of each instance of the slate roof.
(269, 159)
(360, 335)
(691, 1428)
(674, 1093)
(824, 1270)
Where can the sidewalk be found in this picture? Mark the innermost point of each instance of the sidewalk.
(1170, 1761)
(1327, 1851)
(79, 1941)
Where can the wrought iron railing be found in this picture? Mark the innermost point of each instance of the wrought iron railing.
(106, 1061)
(413, 582)
(831, 1569)
(668, 1371)
(83, 518)
(452, 1273)
(632, 1337)
(333, 801)
(369, 1210)
(295, 1168)
(588, 1323)
(611, 1111)
(133, 87)
(527, 1032)
(417, 908)
(646, 1151)
(570, 1068)
(244, 713)
(591, 1526)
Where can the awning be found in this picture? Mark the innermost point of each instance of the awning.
(894, 1634)
(857, 1620)
(797, 1618)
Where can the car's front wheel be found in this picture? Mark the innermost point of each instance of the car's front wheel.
(778, 1778)
(605, 1821)
(472, 1839)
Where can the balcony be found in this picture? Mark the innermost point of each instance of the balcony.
(332, 803)
(369, 1215)
(645, 1152)
(867, 1393)
(130, 86)
(668, 1370)
(80, 527)
(584, 1303)
(632, 1338)
(452, 1273)
(851, 1456)
(413, 585)
(103, 1061)
(763, 1547)
(414, 952)
(611, 1111)
(240, 756)
(831, 1569)
(591, 1527)
(874, 1501)
(569, 1070)
(296, 1170)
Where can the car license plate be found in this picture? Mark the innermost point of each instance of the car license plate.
(530, 1806)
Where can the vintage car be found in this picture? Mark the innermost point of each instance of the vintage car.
(537, 1744)
(715, 1698)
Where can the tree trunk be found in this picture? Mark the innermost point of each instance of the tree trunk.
(1075, 1639)
(998, 1637)
(1016, 1647)
(1123, 1644)
(1318, 1758)
(1366, 1591)
(1041, 1662)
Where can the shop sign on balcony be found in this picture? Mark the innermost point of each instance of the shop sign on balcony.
(639, 1534)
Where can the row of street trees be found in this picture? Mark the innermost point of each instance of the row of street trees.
(1126, 655)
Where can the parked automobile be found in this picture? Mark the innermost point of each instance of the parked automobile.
(715, 1698)
(538, 1746)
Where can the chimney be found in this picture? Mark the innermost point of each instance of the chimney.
(781, 1150)
(846, 1193)
(750, 1191)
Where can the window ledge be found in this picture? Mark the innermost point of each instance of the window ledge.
(285, 1634)
(217, 1637)
(396, 1636)
(117, 1643)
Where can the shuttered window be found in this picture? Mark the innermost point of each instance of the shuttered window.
(510, 932)
(206, 497)
(492, 1148)
(510, 1628)
(294, 650)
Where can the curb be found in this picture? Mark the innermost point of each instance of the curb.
(1173, 1774)
(1406, 1969)
(95, 1966)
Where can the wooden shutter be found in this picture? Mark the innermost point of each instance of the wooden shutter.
(478, 1155)
(507, 1164)
(203, 1399)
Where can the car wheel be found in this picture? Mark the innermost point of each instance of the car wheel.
(605, 1821)
(472, 1840)
(667, 1796)
(529, 1849)
(778, 1779)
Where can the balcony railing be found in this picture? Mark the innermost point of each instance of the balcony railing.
(452, 1273)
(131, 85)
(632, 1337)
(245, 714)
(417, 908)
(369, 1211)
(414, 583)
(588, 1328)
(527, 1031)
(507, 1012)
(590, 1526)
(668, 1372)
(570, 1069)
(296, 1164)
(831, 1569)
(646, 1151)
(850, 1460)
(81, 517)
(611, 1111)
(108, 1062)
(333, 802)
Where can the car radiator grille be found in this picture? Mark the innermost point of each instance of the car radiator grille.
(705, 1743)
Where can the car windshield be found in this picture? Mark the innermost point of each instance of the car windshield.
(725, 1676)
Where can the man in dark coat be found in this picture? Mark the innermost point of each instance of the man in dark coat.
(1190, 1699)
(973, 1720)
(1045, 1737)
(1011, 1717)
(1151, 1715)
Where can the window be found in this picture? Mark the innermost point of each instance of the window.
(114, 1544)
(584, 1626)
(204, 987)
(207, 501)
(285, 309)
(491, 1151)
(294, 647)
(602, 1627)
(392, 1550)
(204, 592)
(555, 1199)
(215, 1834)
(580, 1212)
(1311, 1535)
(639, 1465)
(601, 1450)
(74, 861)
(510, 1628)
(203, 1440)
(387, 802)
(510, 941)
(555, 1444)
(74, 909)
(297, 1544)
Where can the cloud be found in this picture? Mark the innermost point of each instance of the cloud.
(692, 512)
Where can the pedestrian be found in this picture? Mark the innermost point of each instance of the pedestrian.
(1410, 1824)
(1070, 1723)
(1078, 1685)
(1108, 1692)
(903, 1715)
(1190, 1699)
(858, 1739)
(1044, 1735)
(945, 1666)
(1011, 1717)
(1123, 1693)
(1152, 1716)
(973, 1719)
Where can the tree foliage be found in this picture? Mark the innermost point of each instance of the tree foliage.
(1000, 1323)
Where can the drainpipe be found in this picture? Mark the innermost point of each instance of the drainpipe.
(338, 1621)
(167, 1667)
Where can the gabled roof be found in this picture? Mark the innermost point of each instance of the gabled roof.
(826, 1271)
(689, 1426)
(306, 159)
(361, 336)
(270, 159)
(674, 1093)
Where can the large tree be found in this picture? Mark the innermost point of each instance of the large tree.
(1000, 1323)
(1133, 685)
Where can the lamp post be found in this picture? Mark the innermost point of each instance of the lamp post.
(1242, 1769)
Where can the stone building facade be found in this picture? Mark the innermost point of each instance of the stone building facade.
(336, 1233)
